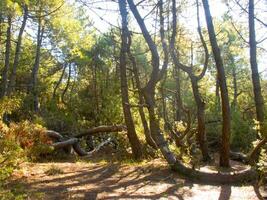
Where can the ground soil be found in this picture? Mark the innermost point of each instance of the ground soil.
(116, 180)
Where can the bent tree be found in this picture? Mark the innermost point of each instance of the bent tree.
(149, 94)
(201, 132)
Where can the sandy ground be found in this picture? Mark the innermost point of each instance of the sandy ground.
(151, 180)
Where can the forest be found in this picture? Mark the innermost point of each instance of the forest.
(133, 99)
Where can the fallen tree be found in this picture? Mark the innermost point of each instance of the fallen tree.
(73, 143)
(102, 129)
(251, 157)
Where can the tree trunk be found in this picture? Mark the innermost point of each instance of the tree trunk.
(36, 65)
(148, 137)
(258, 98)
(67, 86)
(149, 90)
(201, 132)
(131, 133)
(234, 104)
(178, 98)
(4, 82)
(59, 81)
(17, 53)
(225, 146)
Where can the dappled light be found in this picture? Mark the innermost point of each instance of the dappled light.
(133, 99)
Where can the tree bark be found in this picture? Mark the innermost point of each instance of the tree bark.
(226, 126)
(36, 65)
(258, 98)
(131, 133)
(4, 82)
(17, 52)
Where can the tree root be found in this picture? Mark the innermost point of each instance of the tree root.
(247, 175)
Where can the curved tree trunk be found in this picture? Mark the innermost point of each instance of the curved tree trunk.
(148, 137)
(131, 133)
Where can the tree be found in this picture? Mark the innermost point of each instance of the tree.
(226, 124)
(258, 98)
(4, 82)
(201, 134)
(133, 139)
(17, 51)
(149, 89)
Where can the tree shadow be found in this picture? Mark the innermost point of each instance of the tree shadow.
(119, 181)
(225, 192)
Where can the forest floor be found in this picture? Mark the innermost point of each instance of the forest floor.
(83, 179)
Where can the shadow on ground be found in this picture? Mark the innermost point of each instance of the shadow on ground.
(123, 181)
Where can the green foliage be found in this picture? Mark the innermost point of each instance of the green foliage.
(9, 105)
(242, 134)
(262, 165)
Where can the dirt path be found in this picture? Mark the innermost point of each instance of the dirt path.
(83, 180)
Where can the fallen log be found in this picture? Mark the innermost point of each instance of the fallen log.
(238, 156)
(82, 152)
(54, 135)
(64, 144)
(74, 142)
(102, 129)
(252, 156)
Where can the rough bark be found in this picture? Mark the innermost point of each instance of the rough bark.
(4, 82)
(17, 52)
(226, 126)
(258, 98)
(131, 133)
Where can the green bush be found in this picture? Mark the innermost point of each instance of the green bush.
(242, 133)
